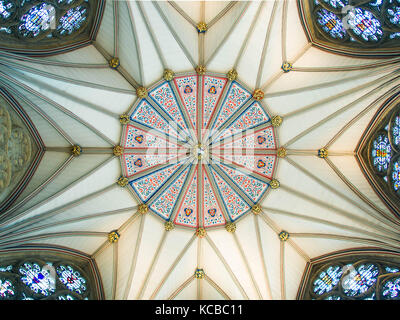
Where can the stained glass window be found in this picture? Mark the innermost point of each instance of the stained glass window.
(393, 14)
(362, 277)
(395, 177)
(395, 130)
(364, 25)
(391, 289)
(6, 269)
(71, 279)
(37, 19)
(381, 153)
(336, 3)
(215, 143)
(328, 279)
(65, 1)
(6, 289)
(360, 280)
(37, 279)
(72, 20)
(66, 297)
(331, 24)
(333, 298)
(353, 27)
(56, 23)
(392, 270)
(395, 35)
(6, 9)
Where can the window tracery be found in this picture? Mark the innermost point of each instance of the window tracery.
(346, 26)
(56, 23)
(378, 153)
(384, 154)
(354, 277)
(50, 278)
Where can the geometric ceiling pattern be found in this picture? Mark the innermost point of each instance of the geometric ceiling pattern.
(147, 83)
(214, 165)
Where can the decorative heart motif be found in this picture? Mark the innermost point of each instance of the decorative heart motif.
(188, 211)
(139, 138)
(212, 212)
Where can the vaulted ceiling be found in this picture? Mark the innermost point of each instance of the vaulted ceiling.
(324, 203)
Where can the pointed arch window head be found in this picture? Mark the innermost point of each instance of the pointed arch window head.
(331, 24)
(378, 153)
(73, 20)
(381, 152)
(38, 275)
(58, 24)
(353, 27)
(352, 276)
(37, 20)
(364, 25)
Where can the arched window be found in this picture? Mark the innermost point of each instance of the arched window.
(365, 275)
(47, 276)
(378, 153)
(58, 24)
(353, 26)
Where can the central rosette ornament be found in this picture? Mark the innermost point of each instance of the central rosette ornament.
(199, 150)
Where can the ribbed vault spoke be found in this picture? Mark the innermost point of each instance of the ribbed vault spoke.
(344, 108)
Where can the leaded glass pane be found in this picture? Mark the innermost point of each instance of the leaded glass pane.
(396, 131)
(336, 4)
(330, 23)
(72, 279)
(395, 176)
(6, 289)
(327, 279)
(333, 298)
(6, 269)
(72, 20)
(381, 153)
(393, 14)
(37, 279)
(37, 19)
(364, 24)
(391, 270)
(372, 297)
(6, 9)
(360, 280)
(391, 289)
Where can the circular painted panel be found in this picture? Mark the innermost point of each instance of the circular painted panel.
(199, 150)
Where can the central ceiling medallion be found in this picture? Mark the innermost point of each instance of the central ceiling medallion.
(199, 150)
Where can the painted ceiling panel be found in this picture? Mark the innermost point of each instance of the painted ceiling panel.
(201, 230)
